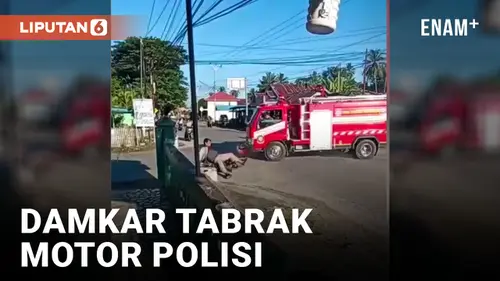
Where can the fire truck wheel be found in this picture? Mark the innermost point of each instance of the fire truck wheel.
(365, 149)
(275, 151)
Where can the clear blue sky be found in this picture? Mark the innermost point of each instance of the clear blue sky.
(236, 29)
(425, 57)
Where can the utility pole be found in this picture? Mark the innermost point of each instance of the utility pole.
(364, 71)
(246, 99)
(192, 82)
(215, 67)
(141, 56)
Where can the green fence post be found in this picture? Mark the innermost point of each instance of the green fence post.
(165, 136)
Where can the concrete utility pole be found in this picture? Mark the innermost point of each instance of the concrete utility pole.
(141, 56)
(246, 99)
(364, 71)
(215, 68)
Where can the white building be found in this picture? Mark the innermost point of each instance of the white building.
(219, 104)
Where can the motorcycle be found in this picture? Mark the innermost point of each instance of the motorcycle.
(188, 135)
(179, 127)
(229, 165)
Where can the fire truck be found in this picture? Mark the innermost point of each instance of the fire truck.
(308, 120)
(453, 117)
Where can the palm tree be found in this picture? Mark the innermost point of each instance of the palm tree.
(266, 80)
(374, 69)
(252, 95)
(123, 98)
(234, 93)
(281, 78)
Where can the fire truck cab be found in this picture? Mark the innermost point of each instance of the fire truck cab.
(318, 123)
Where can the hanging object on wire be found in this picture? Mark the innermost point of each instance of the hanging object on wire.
(322, 16)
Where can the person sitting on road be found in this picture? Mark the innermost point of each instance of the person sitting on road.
(212, 156)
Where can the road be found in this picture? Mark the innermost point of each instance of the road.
(348, 196)
(357, 189)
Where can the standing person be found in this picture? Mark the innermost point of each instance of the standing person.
(209, 122)
(189, 130)
(212, 156)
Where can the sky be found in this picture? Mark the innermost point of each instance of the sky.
(417, 58)
(361, 25)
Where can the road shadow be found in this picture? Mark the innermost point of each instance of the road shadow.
(130, 175)
(231, 146)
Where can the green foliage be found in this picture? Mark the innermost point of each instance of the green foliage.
(234, 93)
(162, 63)
(341, 79)
(202, 103)
(271, 78)
(120, 95)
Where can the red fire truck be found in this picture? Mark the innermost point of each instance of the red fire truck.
(315, 122)
(453, 117)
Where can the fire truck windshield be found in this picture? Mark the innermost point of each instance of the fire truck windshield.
(254, 115)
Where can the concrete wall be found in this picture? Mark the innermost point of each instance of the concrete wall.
(216, 115)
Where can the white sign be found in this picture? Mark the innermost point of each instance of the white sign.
(144, 113)
(237, 84)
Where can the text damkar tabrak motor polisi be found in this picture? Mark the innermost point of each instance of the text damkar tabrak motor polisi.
(127, 254)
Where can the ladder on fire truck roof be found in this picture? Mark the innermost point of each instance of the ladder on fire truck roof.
(317, 99)
(304, 120)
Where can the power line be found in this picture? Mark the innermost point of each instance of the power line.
(332, 51)
(285, 30)
(252, 42)
(202, 20)
(158, 18)
(353, 33)
(151, 15)
(170, 19)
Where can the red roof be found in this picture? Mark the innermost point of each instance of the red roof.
(221, 96)
(290, 92)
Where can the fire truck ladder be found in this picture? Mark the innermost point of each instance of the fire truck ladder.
(346, 98)
(304, 118)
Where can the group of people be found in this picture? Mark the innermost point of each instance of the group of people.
(208, 154)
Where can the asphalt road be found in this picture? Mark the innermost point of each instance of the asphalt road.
(356, 189)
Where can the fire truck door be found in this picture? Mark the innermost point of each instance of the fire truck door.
(320, 124)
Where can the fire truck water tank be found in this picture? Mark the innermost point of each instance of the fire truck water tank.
(322, 16)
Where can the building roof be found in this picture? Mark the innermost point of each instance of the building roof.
(221, 96)
(290, 92)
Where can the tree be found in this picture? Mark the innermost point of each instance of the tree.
(221, 89)
(162, 63)
(252, 95)
(375, 64)
(270, 78)
(121, 96)
(202, 103)
(234, 93)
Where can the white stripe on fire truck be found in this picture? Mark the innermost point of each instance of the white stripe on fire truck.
(359, 132)
(359, 119)
(269, 130)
